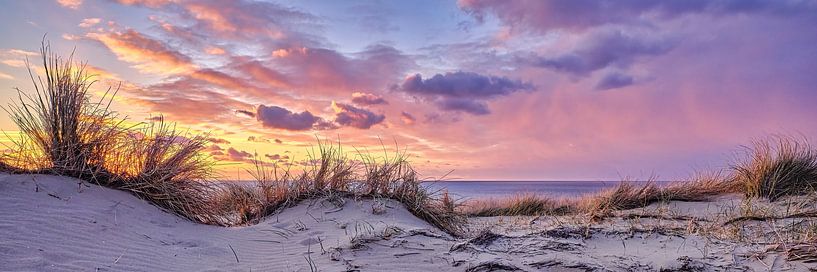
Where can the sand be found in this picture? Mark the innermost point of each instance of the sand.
(52, 223)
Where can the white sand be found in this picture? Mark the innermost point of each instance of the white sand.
(58, 224)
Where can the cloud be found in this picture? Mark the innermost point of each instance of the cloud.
(238, 155)
(184, 100)
(543, 16)
(464, 105)
(89, 22)
(245, 113)
(72, 4)
(462, 91)
(367, 99)
(348, 115)
(614, 80)
(463, 85)
(325, 70)
(259, 139)
(214, 148)
(276, 157)
(218, 140)
(603, 49)
(281, 118)
(6, 76)
(150, 55)
(241, 19)
(407, 118)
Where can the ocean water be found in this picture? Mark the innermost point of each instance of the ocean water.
(498, 189)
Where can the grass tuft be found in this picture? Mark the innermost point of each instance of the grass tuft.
(777, 166)
(334, 175)
(68, 132)
(65, 133)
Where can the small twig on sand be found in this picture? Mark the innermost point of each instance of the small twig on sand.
(120, 256)
(234, 254)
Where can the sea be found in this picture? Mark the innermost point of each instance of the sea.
(464, 190)
(499, 189)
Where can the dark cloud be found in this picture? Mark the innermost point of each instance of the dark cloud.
(218, 140)
(276, 157)
(462, 91)
(215, 148)
(281, 118)
(367, 99)
(614, 80)
(463, 85)
(407, 118)
(463, 105)
(245, 113)
(238, 155)
(348, 115)
(278, 141)
(601, 50)
(543, 16)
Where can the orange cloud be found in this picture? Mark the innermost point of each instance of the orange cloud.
(72, 4)
(149, 55)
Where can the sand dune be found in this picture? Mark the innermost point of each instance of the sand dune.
(51, 223)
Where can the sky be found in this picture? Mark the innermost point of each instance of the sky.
(488, 89)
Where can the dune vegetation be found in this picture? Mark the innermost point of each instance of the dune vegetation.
(771, 168)
(66, 133)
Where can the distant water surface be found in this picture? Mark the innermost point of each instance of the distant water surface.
(498, 189)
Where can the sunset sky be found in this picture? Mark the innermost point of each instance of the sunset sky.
(491, 89)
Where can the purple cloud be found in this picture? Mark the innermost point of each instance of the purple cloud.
(463, 85)
(464, 105)
(543, 16)
(407, 118)
(462, 91)
(604, 49)
(238, 155)
(348, 115)
(281, 118)
(367, 99)
(614, 80)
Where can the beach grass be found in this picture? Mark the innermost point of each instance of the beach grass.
(65, 133)
(333, 175)
(777, 166)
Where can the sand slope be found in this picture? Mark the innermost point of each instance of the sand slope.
(56, 224)
(59, 224)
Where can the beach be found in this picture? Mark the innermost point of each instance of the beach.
(53, 223)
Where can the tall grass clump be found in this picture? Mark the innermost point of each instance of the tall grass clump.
(166, 167)
(68, 132)
(394, 178)
(777, 166)
(333, 175)
(64, 132)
